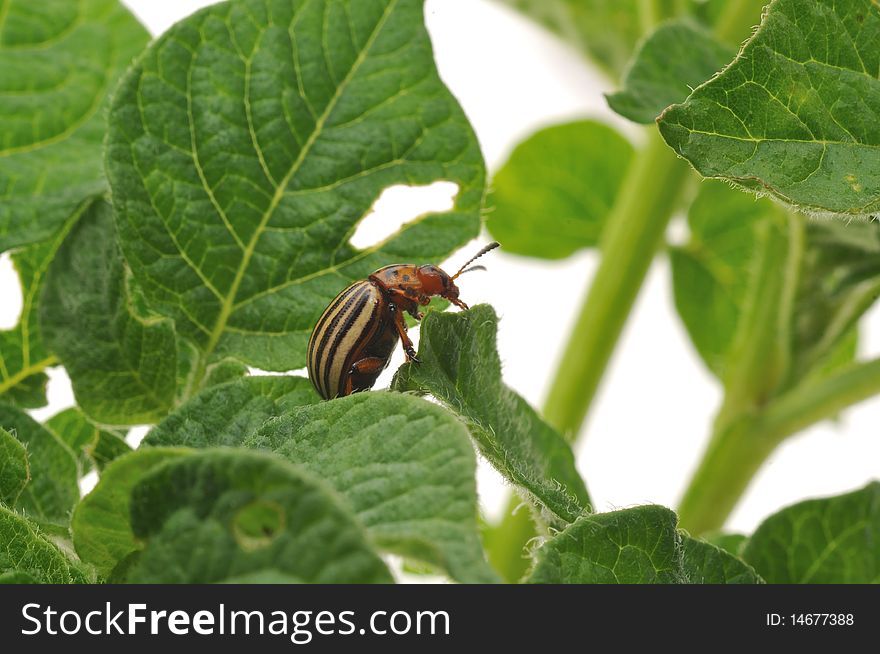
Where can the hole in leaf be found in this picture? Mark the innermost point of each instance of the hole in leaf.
(400, 204)
(257, 524)
(10, 293)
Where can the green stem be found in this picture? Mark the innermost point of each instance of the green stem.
(737, 451)
(505, 543)
(635, 230)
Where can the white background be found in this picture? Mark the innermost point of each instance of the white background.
(650, 421)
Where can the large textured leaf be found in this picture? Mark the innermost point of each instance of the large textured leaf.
(229, 413)
(633, 546)
(460, 367)
(23, 356)
(832, 540)
(605, 30)
(27, 556)
(675, 58)
(705, 563)
(248, 142)
(94, 447)
(405, 466)
(124, 367)
(101, 523)
(236, 513)
(14, 470)
(797, 114)
(53, 489)
(60, 61)
(552, 196)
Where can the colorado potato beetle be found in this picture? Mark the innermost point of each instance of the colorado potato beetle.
(357, 333)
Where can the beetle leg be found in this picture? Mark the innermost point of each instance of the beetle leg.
(400, 325)
(370, 366)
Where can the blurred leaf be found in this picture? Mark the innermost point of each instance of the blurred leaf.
(731, 543)
(460, 367)
(238, 513)
(633, 546)
(93, 446)
(405, 466)
(60, 61)
(27, 556)
(53, 488)
(605, 30)
(14, 470)
(124, 367)
(317, 108)
(677, 57)
(565, 176)
(101, 524)
(796, 114)
(832, 540)
(705, 563)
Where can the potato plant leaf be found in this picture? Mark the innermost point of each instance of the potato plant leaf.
(53, 488)
(830, 540)
(27, 556)
(228, 413)
(14, 469)
(705, 563)
(566, 175)
(60, 61)
(677, 57)
(94, 447)
(405, 466)
(461, 368)
(248, 142)
(834, 279)
(797, 113)
(237, 513)
(124, 367)
(23, 355)
(632, 546)
(101, 523)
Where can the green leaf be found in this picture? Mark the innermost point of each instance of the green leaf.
(568, 175)
(834, 280)
(93, 446)
(730, 543)
(797, 113)
(27, 556)
(23, 356)
(14, 469)
(677, 56)
(705, 563)
(711, 273)
(123, 366)
(60, 60)
(249, 141)
(633, 546)
(830, 540)
(101, 523)
(228, 413)
(605, 30)
(460, 367)
(53, 488)
(236, 513)
(405, 466)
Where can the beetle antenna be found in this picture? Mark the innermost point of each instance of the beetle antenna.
(488, 248)
(472, 269)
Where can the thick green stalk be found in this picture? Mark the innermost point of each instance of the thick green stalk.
(635, 230)
(737, 451)
(505, 542)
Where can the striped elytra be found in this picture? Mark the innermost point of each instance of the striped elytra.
(355, 336)
(352, 328)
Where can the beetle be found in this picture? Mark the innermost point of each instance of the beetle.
(355, 336)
